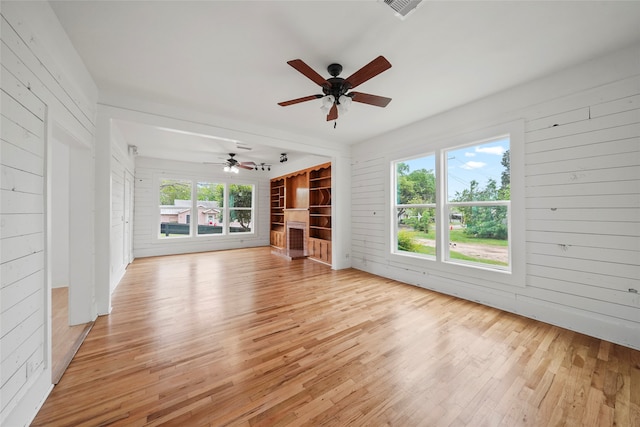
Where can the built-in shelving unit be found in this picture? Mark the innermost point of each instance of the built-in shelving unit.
(319, 245)
(277, 212)
(320, 203)
(307, 190)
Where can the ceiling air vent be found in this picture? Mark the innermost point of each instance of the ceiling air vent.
(403, 7)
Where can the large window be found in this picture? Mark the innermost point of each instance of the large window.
(415, 210)
(453, 206)
(210, 208)
(175, 208)
(217, 208)
(240, 208)
(477, 203)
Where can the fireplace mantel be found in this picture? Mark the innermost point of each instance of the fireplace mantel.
(298, 215)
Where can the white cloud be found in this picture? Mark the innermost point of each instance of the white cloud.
(498, 150)
(473, 165)
(469, 154)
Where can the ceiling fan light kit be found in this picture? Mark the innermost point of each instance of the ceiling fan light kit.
(233, 169)
(336, 98)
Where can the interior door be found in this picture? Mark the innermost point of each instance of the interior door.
(128, 213)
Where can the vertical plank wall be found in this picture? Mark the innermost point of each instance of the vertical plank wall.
(582, 203)
(122, 168)
(32, 86)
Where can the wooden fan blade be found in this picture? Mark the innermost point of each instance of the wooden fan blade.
(333, 113)
(250, 164)
(369, 71)
(365, 98)
(245, 166)
(300, 65)
(296, 101)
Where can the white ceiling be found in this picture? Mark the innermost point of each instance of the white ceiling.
(228, 58)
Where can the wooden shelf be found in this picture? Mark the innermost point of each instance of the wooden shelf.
(277, 212)
(320, 212)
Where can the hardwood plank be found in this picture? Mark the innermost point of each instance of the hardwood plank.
(244, 337)
(66, 339)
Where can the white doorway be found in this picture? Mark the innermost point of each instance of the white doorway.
(127, 216)
(70, 230)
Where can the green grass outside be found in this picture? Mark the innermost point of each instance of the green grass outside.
(430, 250)
(458, 255)
(458, 236)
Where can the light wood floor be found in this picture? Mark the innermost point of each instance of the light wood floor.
(66, 339)
(246, 338)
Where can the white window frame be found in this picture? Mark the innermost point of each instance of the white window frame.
(441, 265)
(225, 210)
(224, 202)
(159, 215)
(229, 208)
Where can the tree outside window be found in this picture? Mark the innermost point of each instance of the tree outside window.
(415, 205)
(240, 208)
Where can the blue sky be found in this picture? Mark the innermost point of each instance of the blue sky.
(477, 162)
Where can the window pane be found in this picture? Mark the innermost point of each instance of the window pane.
(481, 235)
(416, 230)
(240, 196)
(479, 172)
(210, 208)
(175, 208)
(240, 212)
(240, 220)
(416, 181)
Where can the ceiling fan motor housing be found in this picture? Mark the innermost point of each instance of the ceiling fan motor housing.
(338, 85)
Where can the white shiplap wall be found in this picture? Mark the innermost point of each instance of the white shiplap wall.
(22, 273)
(582, 199)
(122, 169)
(33, 86)
(146, 218)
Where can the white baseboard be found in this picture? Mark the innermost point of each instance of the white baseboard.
(27, 407)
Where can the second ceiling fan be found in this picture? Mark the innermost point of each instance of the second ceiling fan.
(336, 90)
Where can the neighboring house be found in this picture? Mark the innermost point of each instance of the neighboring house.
(174, 214)
(208, 216)
(180, 212)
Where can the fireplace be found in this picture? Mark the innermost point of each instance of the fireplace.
(296, 239)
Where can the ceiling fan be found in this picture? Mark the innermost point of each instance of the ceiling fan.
(232, 165)
(336, 96)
